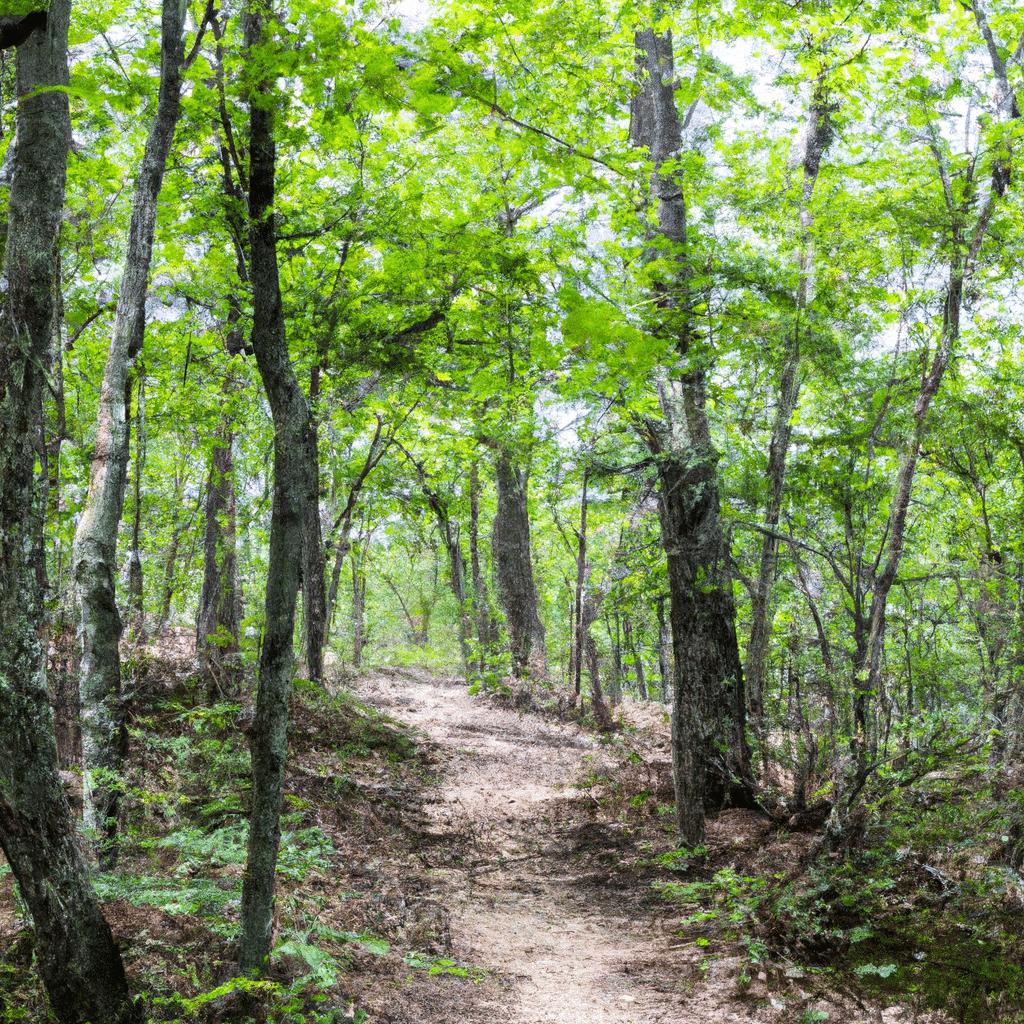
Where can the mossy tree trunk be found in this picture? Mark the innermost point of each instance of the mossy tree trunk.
(710, 757)
(76, 956)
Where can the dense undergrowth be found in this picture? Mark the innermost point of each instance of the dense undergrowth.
(348, 935)
(922, 906)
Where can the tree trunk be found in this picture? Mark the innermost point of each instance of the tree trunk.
(104, 740)
(314, 591)
(581, 576)
(342, 529)
(75, 952)
(358, 608)
(591, 610)
(817, 134)
(634, 653)
(135, 579)
(481, 595)
(514, 569)
(170, 562)
(710, 758)
(218, 620)
(295, 488)
(664, 651)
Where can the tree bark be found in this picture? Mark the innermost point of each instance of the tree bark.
(817, 134)
(314, 589)
(581, 576)
(481, 595)
(710, 757)
(295, 488)
(514, 569)
(664, 650)
(218, 620)
(358, 607)
(104, 740)
(591, 610)
(135, 578)
(76, 956)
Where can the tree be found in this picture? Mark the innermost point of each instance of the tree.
(76, 955)
(709, 706)
(104, 738)
(295, 488)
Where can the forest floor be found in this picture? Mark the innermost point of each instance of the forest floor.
(546, 881)
(446, 858)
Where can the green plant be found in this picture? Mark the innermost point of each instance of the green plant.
(812, 1016)
(441, 965)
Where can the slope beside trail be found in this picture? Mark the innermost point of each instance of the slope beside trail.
(528, 870)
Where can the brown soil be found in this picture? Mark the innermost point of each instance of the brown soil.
(544, 876)
(504, 855)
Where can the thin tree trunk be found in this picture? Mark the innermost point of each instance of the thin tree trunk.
(817, 133)
(75, 953)
(634, 653)
(358, 609)
(218, 620)
(295, 487)
(616, 687)
(135, 579)
(591, 610)
(314, 591)
(342, 529)
(104, 739)
(170, 563)
(710, 757)
(581, 573)
(450, 535)
(481, 595)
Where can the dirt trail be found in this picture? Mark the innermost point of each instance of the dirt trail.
(518, 863)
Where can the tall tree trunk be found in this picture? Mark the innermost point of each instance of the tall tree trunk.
(514, 568)
(634, 653)
(481, 595)
(591, 610)
(217, 623)
(135, 579)
(581, 577)
(104, 740)
(817, 134)
(358, 606)
(76, 956)
(295, 488)
(314, 589)
(710, 757)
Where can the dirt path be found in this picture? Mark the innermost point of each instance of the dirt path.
(529, 877)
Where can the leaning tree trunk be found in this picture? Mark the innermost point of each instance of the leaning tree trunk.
(76, 956)
(104, 739)
(295, 487)
(710, 757)
(817, 134)
(514, 568)
(217, 624)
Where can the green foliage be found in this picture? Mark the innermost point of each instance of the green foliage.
(441, 965)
